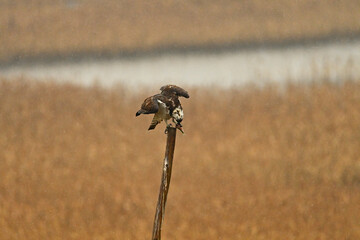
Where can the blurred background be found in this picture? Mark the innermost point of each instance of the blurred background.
(272, 125)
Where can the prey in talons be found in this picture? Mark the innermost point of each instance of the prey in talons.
(179, 126)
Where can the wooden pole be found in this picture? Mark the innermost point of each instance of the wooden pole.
(165, 183)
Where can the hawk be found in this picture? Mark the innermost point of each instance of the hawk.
(165, 105)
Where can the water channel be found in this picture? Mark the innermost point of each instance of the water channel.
(335, 61)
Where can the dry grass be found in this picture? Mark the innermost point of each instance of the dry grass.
(71, 27)
(254, 164)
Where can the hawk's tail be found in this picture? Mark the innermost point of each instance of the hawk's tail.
(153, 124)
(139, 112)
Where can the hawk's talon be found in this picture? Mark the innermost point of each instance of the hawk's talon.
(167, 128)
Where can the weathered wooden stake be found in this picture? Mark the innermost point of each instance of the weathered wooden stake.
(165, 183)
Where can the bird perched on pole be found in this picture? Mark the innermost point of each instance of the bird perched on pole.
(165, 105)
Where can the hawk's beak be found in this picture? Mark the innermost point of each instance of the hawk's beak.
(179, 126)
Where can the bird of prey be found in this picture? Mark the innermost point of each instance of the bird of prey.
(165, 105)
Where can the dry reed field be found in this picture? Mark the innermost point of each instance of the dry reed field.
(254, 163)
(54, 28)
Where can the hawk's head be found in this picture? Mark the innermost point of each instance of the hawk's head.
(178, 114)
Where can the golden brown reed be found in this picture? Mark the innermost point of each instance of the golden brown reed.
(75, 163)
(66, 27)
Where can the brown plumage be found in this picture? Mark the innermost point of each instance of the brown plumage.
(174, 90)
(164, 106)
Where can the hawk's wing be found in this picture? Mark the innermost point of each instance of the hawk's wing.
(150, 105)
(174, 89)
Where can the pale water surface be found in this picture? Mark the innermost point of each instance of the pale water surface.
(333, 61)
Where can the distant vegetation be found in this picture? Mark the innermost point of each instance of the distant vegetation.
(54, 28)
(75, 163)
